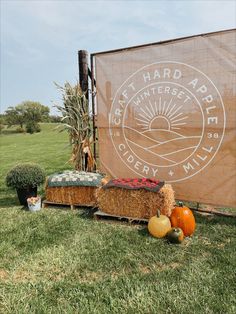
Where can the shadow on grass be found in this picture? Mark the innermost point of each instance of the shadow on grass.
(10, 132)
(8, 201)
(8, 197)
(82, 212)
(144, 232)
(86, 212)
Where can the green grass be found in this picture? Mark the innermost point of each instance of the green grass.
(62, 261)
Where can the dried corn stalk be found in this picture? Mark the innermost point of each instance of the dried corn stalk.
(77, 121)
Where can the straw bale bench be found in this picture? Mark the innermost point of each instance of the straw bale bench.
(139, 203)
(72, 188)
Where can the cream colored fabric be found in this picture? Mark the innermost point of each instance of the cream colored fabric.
(168, 111)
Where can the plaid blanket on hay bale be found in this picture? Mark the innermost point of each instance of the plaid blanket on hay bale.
(73, 188)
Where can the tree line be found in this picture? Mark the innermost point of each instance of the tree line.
(26, 116)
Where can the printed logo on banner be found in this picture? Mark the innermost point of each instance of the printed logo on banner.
(167, 120)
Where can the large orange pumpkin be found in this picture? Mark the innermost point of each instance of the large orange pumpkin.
(182, 217)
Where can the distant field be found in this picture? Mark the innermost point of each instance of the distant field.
(63, 261)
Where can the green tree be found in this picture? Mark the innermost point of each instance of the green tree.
(34, 111)
(15, 116)
(27, 111)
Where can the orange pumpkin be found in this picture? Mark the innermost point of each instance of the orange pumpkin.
(182, 217)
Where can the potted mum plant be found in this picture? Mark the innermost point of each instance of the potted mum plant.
(25, 178)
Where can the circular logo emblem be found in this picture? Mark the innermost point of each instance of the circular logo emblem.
(167, 121)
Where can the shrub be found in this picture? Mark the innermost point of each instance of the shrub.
(25, 175)
(32, 127)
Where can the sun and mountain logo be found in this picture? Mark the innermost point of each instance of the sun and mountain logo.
(167, 120)
(158, 135)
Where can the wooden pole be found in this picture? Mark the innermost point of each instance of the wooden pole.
(93, 108)
(83, 81)
(83, 71)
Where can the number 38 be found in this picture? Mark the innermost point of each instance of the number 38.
(212, 135)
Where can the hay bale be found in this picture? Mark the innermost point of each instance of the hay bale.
(136, 203)
(73, 188)
(71, 195)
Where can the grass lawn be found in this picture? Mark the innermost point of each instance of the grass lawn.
(62, 261)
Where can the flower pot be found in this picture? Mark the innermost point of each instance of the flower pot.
(36, 206)
(25, 193)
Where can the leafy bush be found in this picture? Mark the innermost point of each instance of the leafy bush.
(32, 127)
(25, 175)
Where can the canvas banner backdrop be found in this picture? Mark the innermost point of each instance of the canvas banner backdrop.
(168, 111)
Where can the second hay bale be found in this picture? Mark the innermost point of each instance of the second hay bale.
(136, 203)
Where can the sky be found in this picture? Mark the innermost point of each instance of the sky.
(40, 39)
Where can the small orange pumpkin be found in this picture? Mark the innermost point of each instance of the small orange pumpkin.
(182, 217)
